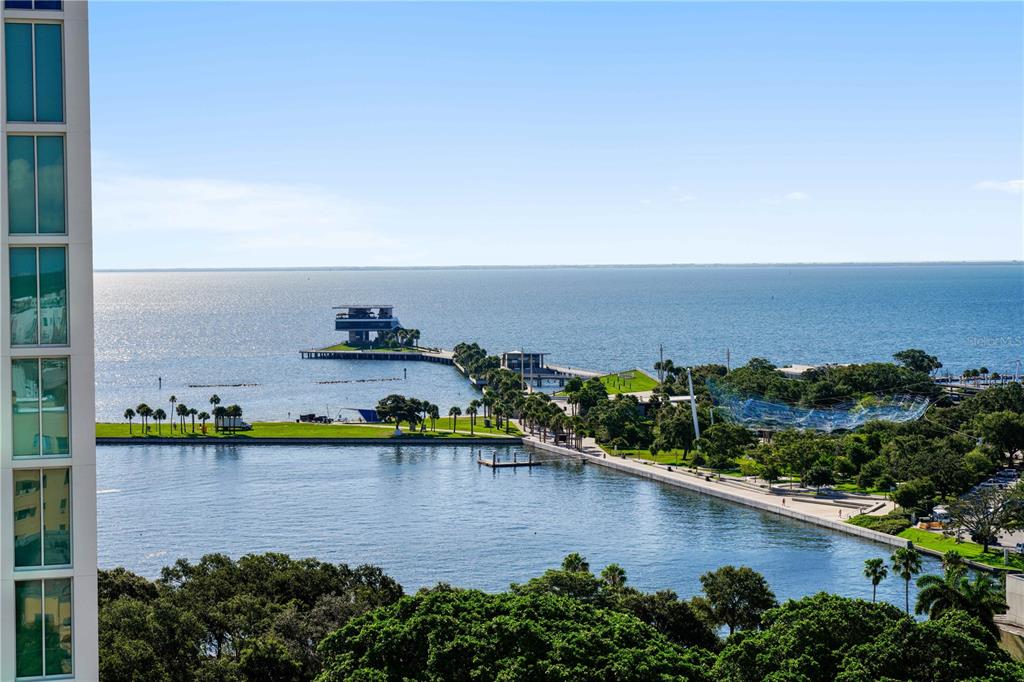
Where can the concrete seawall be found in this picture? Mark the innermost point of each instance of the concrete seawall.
(713, 489)
(310, 441)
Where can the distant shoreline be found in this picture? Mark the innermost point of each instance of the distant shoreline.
(609, 266)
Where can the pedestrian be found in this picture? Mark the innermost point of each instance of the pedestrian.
(783, 501)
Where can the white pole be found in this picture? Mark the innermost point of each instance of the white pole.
(693, 404)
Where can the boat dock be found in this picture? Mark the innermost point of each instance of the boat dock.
(496, 463)
(442, 357)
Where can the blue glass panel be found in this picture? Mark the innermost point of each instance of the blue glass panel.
(50, 4)
(24, 297)
(18, 72)
(18, 4)
(51, 184)
(21, 184)
(53, 295)
(49, 73)
(28, 628)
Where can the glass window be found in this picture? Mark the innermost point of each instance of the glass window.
(49, 73)
(27, 535)
(39, 303)
(42, 517)
(55, 5)
(50, 179)
(53, 296)
(54, 407)
(40, 421)
(18, 53)
(43, 627)
(21, 184)
(35, 184)
(34, 72)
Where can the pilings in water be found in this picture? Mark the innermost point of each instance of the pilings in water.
(495, 463)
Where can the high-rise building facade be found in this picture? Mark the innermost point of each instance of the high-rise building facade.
(47, 411)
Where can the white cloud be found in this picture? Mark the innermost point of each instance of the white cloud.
(151, 221)
(1007, 186)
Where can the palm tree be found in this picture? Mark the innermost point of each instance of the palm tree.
(435, 414)
(219, 413)
(129, 414)
(471, 411)
(203, 417)
(476, 405)
(981, 598)
(182, 412)
(214, 401)
(875, 571)
(159, 415)
(192, 412)
(575, 563)
(174, 399)
(234, 413)
(614, 575)
(144, 411)
(454, 412)
(953, 561)
(906, 562)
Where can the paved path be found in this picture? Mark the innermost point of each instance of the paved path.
(828, 512)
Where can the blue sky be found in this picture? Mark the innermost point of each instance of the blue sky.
(322, 134)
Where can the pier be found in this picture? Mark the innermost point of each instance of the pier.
(443, 357)
(495, 463)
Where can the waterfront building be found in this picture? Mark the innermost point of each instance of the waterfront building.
(365, 323)
(47, 434)
(522, 362)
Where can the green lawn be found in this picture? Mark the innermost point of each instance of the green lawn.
(629, 381)
(397, 349)
(290, 430)
(854, 488)
(969, 550)
(674, 457)
(444, 423)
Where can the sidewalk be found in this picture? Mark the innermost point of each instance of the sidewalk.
(830, 513)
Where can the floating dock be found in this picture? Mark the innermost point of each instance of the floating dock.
(496, 463)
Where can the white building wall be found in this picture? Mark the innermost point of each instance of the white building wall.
(82, 461)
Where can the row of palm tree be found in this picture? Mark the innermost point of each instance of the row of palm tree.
(398, 337)
(183, 413)
(981, 597)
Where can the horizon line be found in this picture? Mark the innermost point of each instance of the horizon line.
(560, 266)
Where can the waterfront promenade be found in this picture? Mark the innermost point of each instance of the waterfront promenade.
(830, 513)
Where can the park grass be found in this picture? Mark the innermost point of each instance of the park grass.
(444, 423)
(854, 488)
(614, 383)
(674, 457)
(382, 349)
(969, 550)
(286, 430)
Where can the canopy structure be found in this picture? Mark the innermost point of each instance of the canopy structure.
(757, 413)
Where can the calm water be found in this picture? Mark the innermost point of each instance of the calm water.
(428, 514)
(247, 327)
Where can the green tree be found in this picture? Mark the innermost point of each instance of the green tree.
(613, 575)
(985, 513)
(982, 597)
(453, 414)
(876, 571)
(129, 414)
(906, 563)
(722, 443)
(736, 597)
(447, 634)
(158, 416)
(917, 360)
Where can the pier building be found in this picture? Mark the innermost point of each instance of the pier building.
(365, 323)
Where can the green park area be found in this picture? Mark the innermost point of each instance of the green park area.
(968, 550)
(382, 349)
(285, 430)
(629, 381)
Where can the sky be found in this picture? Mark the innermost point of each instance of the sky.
(386, 134)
